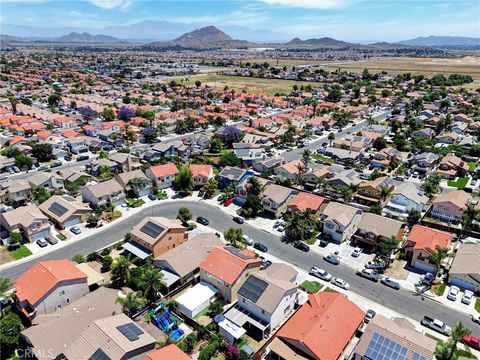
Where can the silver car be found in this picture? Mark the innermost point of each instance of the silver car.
(340, 283)
(320, 273)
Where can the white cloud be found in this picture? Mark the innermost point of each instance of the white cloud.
(111, 4)
(310, 4)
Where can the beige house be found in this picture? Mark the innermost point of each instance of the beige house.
(155, 236)
(373, 228)
(104, 193)
(28, 220)
(465, 269)
(201, 174)
(339, 221)
(449, 207)
(16, 192)
(135, 181)
(45, 180)
(64, 211)
(125, 162)
(276, 198)
(291, 170)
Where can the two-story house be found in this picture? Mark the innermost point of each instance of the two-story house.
(135, 182)
(104, 193)
(27, 220)
(50, 181)
(291, 170)
(386, 156)
(374, 191)
(162, 175)
(201, 174)
(227, 268)
(64, 211)
(339, 221)
(276, 198)
(48, 286)
(450, 207)
(125, 162)
(314, 177)
(15, 193)
(452, 166)
(249, 154)
(372, 229)
(423, 163)
(405, 198)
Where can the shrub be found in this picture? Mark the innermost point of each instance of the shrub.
(92, 257)
(79, 258)
(105, 252)
(107, 262)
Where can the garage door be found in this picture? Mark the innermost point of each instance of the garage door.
(462, 284)
(40, 234)
(424, 267)
(144, 192)
(72, 222)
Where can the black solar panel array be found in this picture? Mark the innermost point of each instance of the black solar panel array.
(253, 288)
(99, 355)
(151, 229)
(235, 251)
(57, 209)
(131, 331)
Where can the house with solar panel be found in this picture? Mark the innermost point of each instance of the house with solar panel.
(27, 220)
(64, 211)
(154, 236)
(397, 338)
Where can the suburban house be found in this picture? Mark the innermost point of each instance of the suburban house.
(249, 154)
(308, 333)
(49, 181)
(386, 156)
(125, 162)
(67, 324)
(405, 198)
(422, 242)
(465, 269)
(227, 268)
(100, 165)
(452, 166)
(155, 236)
(184, 260)
(104, 193)
(64, 211)
(135, 182)
(268, 164)
(201, 174)
(48, 286)
(27, 220)
(370, 192)
(339, 221)
(397, 338)
(425, 133)
(276, 198)
(15, 193)
(263, 303)
(230, 174)
(114, 337)
(313, 178)
(171, 352)
(291, 170)
(162, 175)
(449, 207)
(373, 228)
(306, 201)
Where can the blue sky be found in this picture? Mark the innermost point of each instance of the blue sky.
(351, 20)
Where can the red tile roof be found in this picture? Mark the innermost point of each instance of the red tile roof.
(165, 169)
(42, 277)
(170, 352)
(16, 139)
(304, 201)
(201, 170)
(70, 134)
(324, 325)
(427, 238)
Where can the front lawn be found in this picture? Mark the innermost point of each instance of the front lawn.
(329, 289)
(312, 287)
(311, 241)
(472, 166)
(439, 290)
(61, 237)
(20, 252)
(134, 203)
(459, 183)
(325, 159)
(458, 352)
(162, 195)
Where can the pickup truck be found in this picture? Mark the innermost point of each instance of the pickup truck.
(436, 325)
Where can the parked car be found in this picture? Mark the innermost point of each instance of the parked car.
(238, 220)
(375, 265)
(301, 246)
(83, 157)
(436, 325)
(467, 297)
(369, 315)
(340, 283)
(76, 230)
(41, 168)
(152, 197)
(281, 228)
(51, 239)
(332, 259)
(323, 242)
(356, 252)
(67, 158)
(428, 279)
(261, 247)
(278, 223)
(42, 242)
(56, 164)
(16, 169)
(476, 318)
(320, 273)
(202, 220)
(390, 283)
(247, 240)
(453, 293)
(471, 341)
(265, 264)
(368, 274)
(228, 202)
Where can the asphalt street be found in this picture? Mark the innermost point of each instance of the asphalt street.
(401, 301)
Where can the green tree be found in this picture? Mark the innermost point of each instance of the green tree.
(5, 285)
(296, 227)
(184, 215)
(198, 83)
(42, 152)
(183, 182)
(92, 220)
(24, 162)
(41, 194)
(413, 217)
(107, 262)
(458, 332)
(331, 137)
(437, 257)
(54, 99)
(152, 280)
(380, 143)
(209, 188)
(386, 246)
(375, 209)
(10, 331)
(215, 309)
(216, 145)
(431, 185)
(131, 302)
(108, 114)
(229, 158)
(252, 207)
(121, 274)
(385, 192)
(16, 239)
(234, 236)
(78, 258)
(103, 154)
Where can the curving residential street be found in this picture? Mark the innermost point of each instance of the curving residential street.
(402, 301)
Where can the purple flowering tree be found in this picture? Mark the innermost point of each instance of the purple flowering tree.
(125, 113)
(87, 113)
(231, 134)
(149, 133)
(232, 352)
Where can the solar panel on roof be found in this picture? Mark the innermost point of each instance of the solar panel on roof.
(99, 355)
(57, 209)
(382, 348)
(253, 288)
(151, 229)
(130, 331)
(417, 356)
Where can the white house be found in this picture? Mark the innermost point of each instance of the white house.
(339, 221)
(405, 198)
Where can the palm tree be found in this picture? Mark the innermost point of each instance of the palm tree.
(310, 218)
(295, 227)
(468, 217)
(5, 285)
(152, 278)
(385, 192)
(442, 351)
(210, 188)
(314, 104)
(322, 182)
(458, 332)
(437, 257)
(331, 137)
(131, 302)
(121, 274)
(105, 172)
(13, 103)
(346, 192)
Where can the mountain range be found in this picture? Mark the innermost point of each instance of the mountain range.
(442, 41)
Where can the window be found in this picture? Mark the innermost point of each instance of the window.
(287, 309)
(67, 300)
(61, 293)
(58, 307)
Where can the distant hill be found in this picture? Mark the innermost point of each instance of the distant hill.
(436, 41)
(87, 38)
(208, 36)
(321, 42)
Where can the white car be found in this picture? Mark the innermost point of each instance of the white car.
(476, 318)
(320, 273)
(452, 294)
(340, 283)
(356, 252)
(247, 240)
(467, 297)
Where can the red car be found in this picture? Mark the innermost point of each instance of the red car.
(471, 341)
(228, 202)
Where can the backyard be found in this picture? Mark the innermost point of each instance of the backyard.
(458, 183)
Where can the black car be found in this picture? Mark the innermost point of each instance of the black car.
(56, 164)
(152, 197)
(238, 220)
(390, 283)
(67, 158)
(83, 157)
(301, 246)
(260, 247)
(265, 264)
(202, 220)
